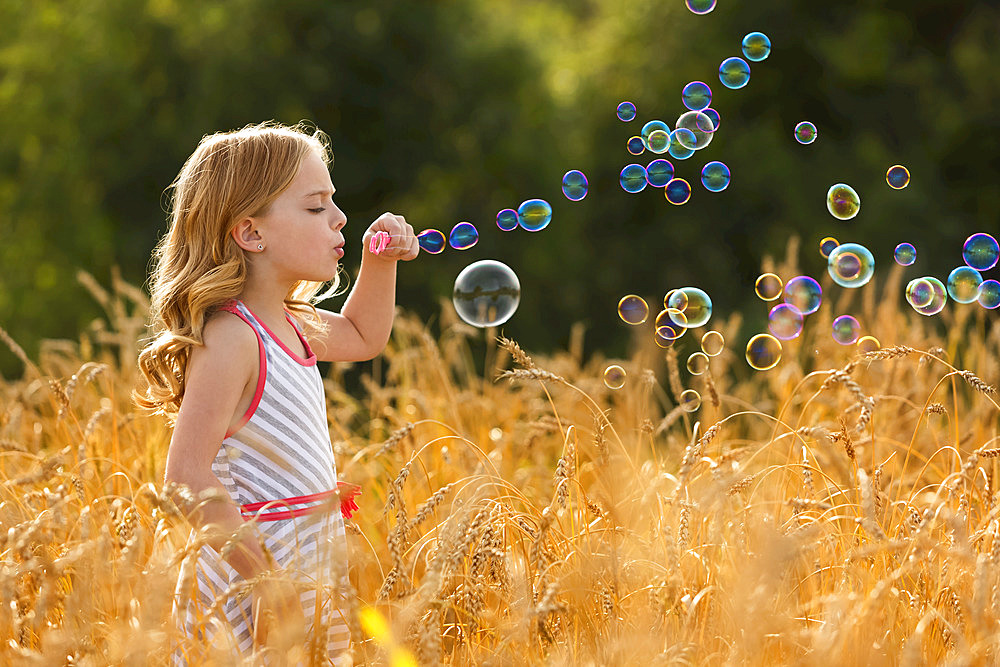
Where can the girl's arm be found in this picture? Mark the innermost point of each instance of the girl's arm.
(361, 329)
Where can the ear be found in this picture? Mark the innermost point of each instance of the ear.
(246, 235)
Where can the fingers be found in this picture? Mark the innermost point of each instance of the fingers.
(402, 240)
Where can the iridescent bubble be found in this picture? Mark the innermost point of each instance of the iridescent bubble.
(635, 145)
(534, 214)
(868, 344)
(700, 127)
(650, 127)
(932, 304)
(633, 309)
(486, 293)
(713, 116)
(626, 111)
(846, 330)
(665, 336)
(713, 343)
(673, 318)
(963, 284)
(697, 363)
(828, 245)
(700, 6)
(756, 46)
(715, 176)
(919, 292)
(842, 201)
(680, 301)
(614, 377)
(768, 286)
(905, 254)
(898, 177)
(699, 305)
(690, 400)
(431, 240)
(463, 236)
(507, 219)
(734, 73)
(989, 294)
(804, 293)
(696, 96)
(678, 150)
(805, 132)
(677, 191)
(659, 172)
(633, 178)
(574, 185)
(981, 251)
(785, 321)
(763, 352)
(659, 141)
(851, 265)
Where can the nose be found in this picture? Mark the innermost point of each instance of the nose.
(338, 219)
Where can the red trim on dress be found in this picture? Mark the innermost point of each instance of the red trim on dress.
(310, 360)
(267, 510)
(261, 374)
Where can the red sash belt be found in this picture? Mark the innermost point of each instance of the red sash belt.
(345, 490)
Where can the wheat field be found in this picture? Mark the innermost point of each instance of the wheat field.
(839, 508)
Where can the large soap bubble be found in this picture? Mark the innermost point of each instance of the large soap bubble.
(486, 293)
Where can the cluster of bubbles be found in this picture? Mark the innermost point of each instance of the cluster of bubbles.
(965, 283)
(463, 236)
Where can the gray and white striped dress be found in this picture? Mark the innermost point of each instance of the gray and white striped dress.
(282, 449)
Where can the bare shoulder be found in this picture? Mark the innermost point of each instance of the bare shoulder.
(230, 344)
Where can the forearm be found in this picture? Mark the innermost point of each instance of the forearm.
(371, 305)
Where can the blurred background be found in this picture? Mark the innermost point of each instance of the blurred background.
(450, 111)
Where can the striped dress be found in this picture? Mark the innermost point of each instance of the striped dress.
(280, 449)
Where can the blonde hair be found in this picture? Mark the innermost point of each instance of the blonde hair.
(197, 264)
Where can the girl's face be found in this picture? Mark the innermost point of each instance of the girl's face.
(301, 230)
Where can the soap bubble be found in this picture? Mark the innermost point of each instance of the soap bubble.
(713, 343)
(989, 294)
(842, 201)
(633, 178)
(675, 298)
(846, 330)
(699, 306)
(614, 377)
(804, 293)
(785, 321)
(659, 172)
(734, 73)
(805, 132)
(677, 191)
(756, 46)
(963, 284)
(626, 111)
(851, 265)
(486, 293)
(633, 309)
(635, 145)
(574, 185)
(431, 240)
(507, 219)
(658, 141)
(697, 363)
(768, 286)
(898, 177)
(868, 344)
(534, 214)
(763, 352)
(700, 6)
(827, 245)
(905, 254)
(690, 400)
(678, 149)
(713, 116)
(981, 251)
(463, 236)
(715, 176)
(700, 127)
(651, 127)
(696, 96)
(929, 293)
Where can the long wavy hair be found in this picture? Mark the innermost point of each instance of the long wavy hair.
(197, 265)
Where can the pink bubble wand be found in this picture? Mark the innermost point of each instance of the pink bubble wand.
(378, 242)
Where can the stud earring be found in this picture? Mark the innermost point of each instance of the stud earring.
(260, 246)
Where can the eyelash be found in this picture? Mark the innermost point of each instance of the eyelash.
(317, 210)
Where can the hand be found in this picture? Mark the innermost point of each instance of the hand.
(278, 619)
(402, 241)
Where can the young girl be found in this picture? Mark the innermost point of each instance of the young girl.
(254, 234)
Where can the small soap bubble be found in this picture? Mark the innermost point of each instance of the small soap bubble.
(981, 251)
(713, 116)
(690, 400)
(635, 145)
(713, 343)
(486, 293)
(905, 254)
(734, 73)
(633, 178)
(827, 245)
(574, 185)
(696, 96)
(463, 236)
(768, 286)
(699, 130)
(699, 306)
(756, 46)
(763, 352)
(851, 265)
(804, 293)
(898, 177)
(633, 309)
(963, 284)
(715, 176)
(649, 128)
(614, 377)
(677, 191)
(929, 292)
(672, 318)
(507, 219)
(675, 299)
(697, 363)
(658, 141)
(626, 111)
(785, 321)
(659, 172)
(678, 150)
(534, 214)
(868, 344)
(700, 7)
(432, 241)
(842, 201)
(665, 337)
(846, 330)
(805, 132)
(989, 294)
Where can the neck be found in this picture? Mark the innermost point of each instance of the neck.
(266, 298)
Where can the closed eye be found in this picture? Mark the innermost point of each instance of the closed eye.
(317, 210)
